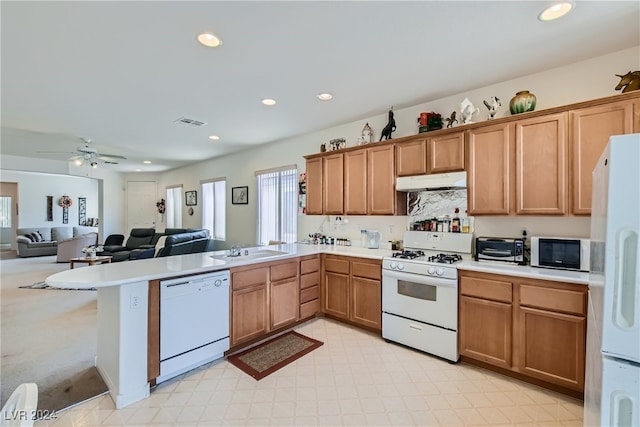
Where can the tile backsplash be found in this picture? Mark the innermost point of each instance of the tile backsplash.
(424, 205)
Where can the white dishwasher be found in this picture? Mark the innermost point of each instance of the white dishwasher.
(194, 322)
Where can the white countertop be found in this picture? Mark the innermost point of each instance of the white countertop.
(120, 273)
(555, 275)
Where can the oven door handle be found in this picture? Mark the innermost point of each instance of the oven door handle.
(419, 278)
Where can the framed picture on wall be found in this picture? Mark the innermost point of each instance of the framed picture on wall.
(240, 195)
(191, 197)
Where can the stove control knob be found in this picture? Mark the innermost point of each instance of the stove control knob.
(440, 272)
(400, 266)
(393, 265)
(431, 270)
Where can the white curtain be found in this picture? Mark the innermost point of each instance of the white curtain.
(214, 196)
(277, 205)
(174, 207)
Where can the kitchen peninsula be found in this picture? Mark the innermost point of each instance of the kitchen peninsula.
(126, 311)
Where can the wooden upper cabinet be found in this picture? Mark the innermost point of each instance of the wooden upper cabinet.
(333, 183)
(490, 169)
(590, 131)
(355, 182)
(445, 153)
(541, 165)
(314, 186)
(381, 180)
(411, 158)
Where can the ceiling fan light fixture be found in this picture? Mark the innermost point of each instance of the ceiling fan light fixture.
(209, 40)
(94, 165)
(556, 10)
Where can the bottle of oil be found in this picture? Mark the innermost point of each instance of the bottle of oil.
(455, 222)
(465, 223)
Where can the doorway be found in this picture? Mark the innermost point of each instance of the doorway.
(8, 215)
(141, 204)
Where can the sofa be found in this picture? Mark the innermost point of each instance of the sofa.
(188, 242)
(139, 238)
(41, 241)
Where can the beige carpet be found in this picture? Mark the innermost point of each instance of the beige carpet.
(46, 336)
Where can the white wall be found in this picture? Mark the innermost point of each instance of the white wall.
(33, 189)
(582, 81)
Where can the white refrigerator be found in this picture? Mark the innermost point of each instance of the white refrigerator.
(612, 383)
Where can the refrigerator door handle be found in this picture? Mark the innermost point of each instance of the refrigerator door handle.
(626, 279)
(622, 409)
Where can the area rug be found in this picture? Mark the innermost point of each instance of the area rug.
(71, 392)
(274, 354)
(43, 285)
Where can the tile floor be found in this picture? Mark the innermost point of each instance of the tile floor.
(354, 379)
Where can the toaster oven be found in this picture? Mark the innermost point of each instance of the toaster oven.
(503, 249)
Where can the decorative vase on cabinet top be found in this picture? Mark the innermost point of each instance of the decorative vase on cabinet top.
(523, 101)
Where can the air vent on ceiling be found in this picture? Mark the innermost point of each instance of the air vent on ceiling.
(189, 122)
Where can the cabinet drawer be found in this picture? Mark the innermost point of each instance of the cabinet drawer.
(309, 265)
(247, 278)
(486, 289)
(284, 271)
(369, 269)
(309, 309)
(563, 300)
(308, 280)
(309, 294)
(336, 265)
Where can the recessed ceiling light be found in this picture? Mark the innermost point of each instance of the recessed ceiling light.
(556, 10)
(209, 40)
(138, 170)
(214, 137)
(325, 96)
(147, 162)
(269, 101)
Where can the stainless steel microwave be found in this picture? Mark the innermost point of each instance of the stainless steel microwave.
(560, 252)
(503, 249)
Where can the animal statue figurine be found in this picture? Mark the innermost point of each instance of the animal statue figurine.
(389, 128)
(629, 82)
(467, 110)
(451, 119)
(492, 105)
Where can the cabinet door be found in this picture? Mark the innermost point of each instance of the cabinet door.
(541, 165)
(590, 131)
(333, 184)
(314, 186)
(490, 170)
(285, 302)
(445, 153)
(248, 314)
(335, 295)
(366, 302)
(381, 181)
(485, 331)
(355, 182)
(411, 158)
(552, 347)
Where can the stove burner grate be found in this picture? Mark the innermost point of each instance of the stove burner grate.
(445, 258)
(408, 254)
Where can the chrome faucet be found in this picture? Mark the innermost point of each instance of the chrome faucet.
(236, 250)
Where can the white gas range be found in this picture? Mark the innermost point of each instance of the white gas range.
(420, 292)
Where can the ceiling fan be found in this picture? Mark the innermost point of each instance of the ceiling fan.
(90, 155)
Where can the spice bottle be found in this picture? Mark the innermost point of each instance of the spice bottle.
(455, 222)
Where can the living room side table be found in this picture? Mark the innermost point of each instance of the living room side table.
(90, 261)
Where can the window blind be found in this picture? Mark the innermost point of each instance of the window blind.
(277, 205)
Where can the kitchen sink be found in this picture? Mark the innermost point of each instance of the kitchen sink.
(257, 254)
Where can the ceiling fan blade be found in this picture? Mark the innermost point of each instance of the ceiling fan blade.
(112, 156)
(108, 162)
(57, 152)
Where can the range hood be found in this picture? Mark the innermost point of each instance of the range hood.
(439, 181)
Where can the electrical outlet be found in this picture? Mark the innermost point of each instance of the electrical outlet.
(134, 301)
(391, 229)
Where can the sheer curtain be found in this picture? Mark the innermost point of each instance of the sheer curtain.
(277, 204)
(174, 207)
(214, 196)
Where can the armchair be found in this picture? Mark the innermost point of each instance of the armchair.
(72, 248)
(138, 237)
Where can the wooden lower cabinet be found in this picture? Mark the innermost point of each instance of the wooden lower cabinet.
(309, 286)
(552, 347)
(264, 297)
(352, 290)
(486, 330)
(534, 328)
